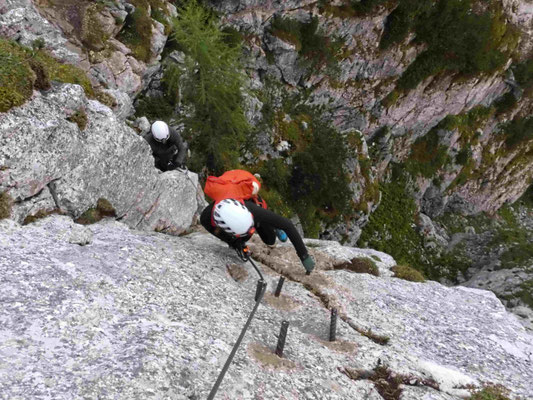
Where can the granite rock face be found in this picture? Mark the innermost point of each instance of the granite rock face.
(355, 98)
(85, 34)
(41, 144)
(20, 21)
(133, 314)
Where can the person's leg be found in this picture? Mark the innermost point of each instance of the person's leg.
(267, 233)
(205, 218)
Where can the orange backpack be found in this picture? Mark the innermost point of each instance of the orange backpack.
(235, 184)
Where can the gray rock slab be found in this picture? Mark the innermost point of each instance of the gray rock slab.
(40, 145)
(137, 314)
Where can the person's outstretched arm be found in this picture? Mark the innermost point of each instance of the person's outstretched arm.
(279, 222)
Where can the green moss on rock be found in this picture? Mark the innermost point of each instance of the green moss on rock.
(16, 76)
(79, 117)
(40, 214)
(408, 273)
(361, 265)
(137, 31)
(92, 33)
(317, 50)
(427, 156)
(103, 209)
(6, 203)
(460, 38)
(491, 392)
(65, 73)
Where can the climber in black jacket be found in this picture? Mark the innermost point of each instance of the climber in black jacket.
(168, 148)
(235, 222)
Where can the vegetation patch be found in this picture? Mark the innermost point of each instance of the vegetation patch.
(361, 265)
(92, 32)
(458, 38)
(523, 73)
(155, 107)
(427, 156)
(137, 31)
(467, 123)
(402, 20)
(293, 130)
(509, 241)
(515, 239)
(391, 98)
(316, 49)
(351, 8)
(407, 273)
(92, 215)
(65, 73)
(16, 76)
(42, 78)
(105, 98)
(79, 117)
(391, 229)
(491, 392)
(517, 132)
(6, 204)
(505, 103)
(23, 69)
(315, 186)
(40, 214)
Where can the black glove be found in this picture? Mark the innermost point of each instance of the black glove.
(238, 243)
(171, 166)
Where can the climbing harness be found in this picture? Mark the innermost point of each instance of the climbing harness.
(244, 254)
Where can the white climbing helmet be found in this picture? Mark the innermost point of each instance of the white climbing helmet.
(160, 131)
(232, 216)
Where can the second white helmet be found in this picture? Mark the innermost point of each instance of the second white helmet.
(233, 217)
(160, 131)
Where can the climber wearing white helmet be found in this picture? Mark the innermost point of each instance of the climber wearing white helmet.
(168, 148)
(235, 221)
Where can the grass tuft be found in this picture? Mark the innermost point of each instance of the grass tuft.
(407, 273)
(93, 215)
(79, 118)
(361, 265)
(6, 204)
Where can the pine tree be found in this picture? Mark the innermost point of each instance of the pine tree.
(212, 85)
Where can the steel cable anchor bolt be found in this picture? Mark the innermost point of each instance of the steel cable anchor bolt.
(281, 338)
(280, 285)
(333, 325)
(260, 288)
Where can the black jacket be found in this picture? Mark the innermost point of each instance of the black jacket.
(173, 151)
(265, 221)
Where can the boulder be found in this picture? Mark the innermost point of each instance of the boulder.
(45, 141)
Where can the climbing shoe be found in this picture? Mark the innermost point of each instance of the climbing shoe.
(282, 236)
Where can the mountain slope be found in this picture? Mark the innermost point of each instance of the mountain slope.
(103, 311)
